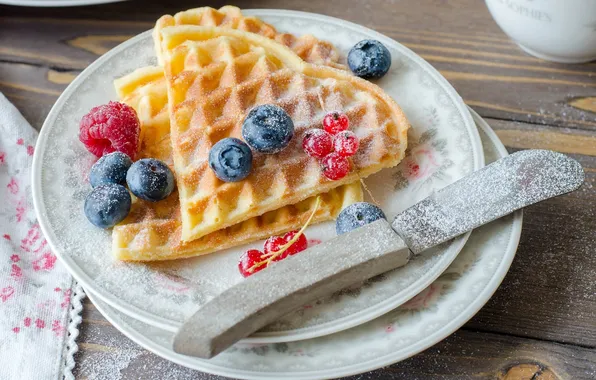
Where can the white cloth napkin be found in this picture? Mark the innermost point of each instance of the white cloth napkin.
(40, 302)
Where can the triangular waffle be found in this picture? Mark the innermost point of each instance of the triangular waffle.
(152, 230)
(215, 76)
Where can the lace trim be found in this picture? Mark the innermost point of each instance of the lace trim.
(74, 319)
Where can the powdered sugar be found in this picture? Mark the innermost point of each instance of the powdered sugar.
(107, 361)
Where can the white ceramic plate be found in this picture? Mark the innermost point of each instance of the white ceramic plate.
(423, 321)
(55, 3)
(443, 146)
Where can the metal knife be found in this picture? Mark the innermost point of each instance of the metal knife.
(498, 189)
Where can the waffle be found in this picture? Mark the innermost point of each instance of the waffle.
(152, 230)
(215, 76)
(307, 47)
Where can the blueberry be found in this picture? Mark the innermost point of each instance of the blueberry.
(357, 215)
(230, 159)
(268, 129)
(150, 179)
(107, 205)
(369, 59)
(111, 168)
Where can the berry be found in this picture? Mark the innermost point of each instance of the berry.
(273, 244)
(317, 143)
(357, 215)
(335, 122)
(268, 129)
(110, 127)
(107, 205)
(150, 179)
(299, 245)
(369, 59)
(346, 143)
(111, 168)
(248, 260)
(230, 159)
(335, 166)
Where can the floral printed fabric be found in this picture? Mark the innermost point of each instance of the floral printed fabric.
(36, 291)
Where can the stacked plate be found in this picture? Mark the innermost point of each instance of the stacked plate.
(370, 325)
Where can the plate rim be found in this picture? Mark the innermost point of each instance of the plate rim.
(376, 363)
(56, 3)
(318, 330)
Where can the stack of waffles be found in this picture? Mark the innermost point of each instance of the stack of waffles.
(216, 65)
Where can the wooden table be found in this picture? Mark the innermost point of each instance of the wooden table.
(541, 322)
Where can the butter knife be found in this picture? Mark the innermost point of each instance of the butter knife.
(498, 189)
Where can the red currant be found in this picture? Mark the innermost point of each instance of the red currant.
(335, 122)
(317, 143)
(346, 143)
(335, 166)
(248, 260)
(273, 244)
(299, 245)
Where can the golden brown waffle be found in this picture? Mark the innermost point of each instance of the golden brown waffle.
(152, 230)
(307, 47)
(215, 76)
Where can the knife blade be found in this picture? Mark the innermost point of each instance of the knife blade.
(506, 185)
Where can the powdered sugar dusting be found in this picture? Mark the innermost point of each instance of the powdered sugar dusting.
(107, 362)
(509, 184)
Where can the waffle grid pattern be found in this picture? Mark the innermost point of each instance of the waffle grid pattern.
(215, 76)
(152, 231)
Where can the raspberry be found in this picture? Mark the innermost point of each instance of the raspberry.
(110, 127)
(273, 244)
(299, 245)
(346, 143)
(335, 166)
(248, 260)
(335, 122)
(317, 143)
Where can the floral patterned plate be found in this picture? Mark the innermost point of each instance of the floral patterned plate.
(432, 315)
(443, 146)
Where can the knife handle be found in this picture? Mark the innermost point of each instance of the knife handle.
(288, 284)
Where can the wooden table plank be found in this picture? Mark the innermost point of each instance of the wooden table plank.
(30, 90)
(480, 355)
(71, 44)
(529, 136)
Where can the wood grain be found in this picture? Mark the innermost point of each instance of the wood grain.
(60, 77)
(528, 136)
(586, 104)
(528, 371)
(541, 322)
(478, 355)
(30, 90)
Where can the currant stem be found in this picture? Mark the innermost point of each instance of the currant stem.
(272, 255)
(369, 192)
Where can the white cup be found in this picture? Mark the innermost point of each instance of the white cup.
(555, 30)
